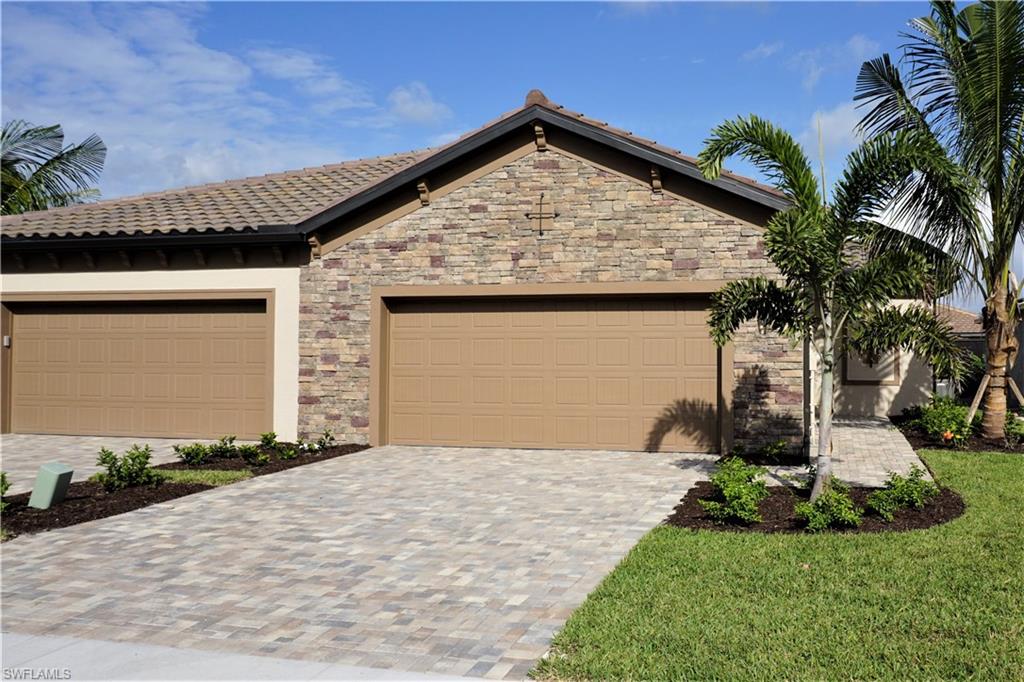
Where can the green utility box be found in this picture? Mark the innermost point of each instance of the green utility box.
(51, 486)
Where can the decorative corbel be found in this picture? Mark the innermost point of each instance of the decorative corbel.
(278, 254)
(54, 260)
(90, 262)
(655, 180)
(424, 191)
(239, 256)
(542, 142)
(19, 261)
(200, 257)
(126, 260)
(314, 246)
(161, 257)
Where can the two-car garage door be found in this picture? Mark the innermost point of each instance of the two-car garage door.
(159, 368)
(601, 373)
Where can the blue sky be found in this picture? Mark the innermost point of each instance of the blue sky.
(191, 93)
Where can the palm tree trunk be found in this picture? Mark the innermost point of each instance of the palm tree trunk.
(823, 465)
(1001, 343)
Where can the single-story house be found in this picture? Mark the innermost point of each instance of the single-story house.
(540, 282)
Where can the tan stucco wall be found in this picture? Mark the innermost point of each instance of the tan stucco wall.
(283, 281)
(865, 400)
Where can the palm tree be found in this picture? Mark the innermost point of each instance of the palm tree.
(829, 293)
(964, 93)
(38, 172)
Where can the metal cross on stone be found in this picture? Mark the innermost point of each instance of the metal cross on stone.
(540, 214)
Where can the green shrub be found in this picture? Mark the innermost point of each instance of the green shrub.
(834, 508)
(253, 454)
(1014, 429)
(4, 487)
(268, 439)
(130, 470)
(193, 453)
(945, 421)
(225, 448)
(740, 488)
(285, 452)
(326, 440)
(775, 451)
(902, 492)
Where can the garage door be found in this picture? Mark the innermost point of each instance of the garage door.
(176, 369)
(628, 374)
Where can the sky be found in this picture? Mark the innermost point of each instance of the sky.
(187, 93)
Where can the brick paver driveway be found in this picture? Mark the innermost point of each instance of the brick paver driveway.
(458, 561)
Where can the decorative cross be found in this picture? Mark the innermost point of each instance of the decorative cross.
(539, 215)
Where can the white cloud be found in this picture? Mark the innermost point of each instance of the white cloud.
(762, 51)
(814, 63)
(174, 111)
(838, 130)
(413, 102)
(445, 138)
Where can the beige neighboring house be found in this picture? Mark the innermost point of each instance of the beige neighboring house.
(543, 281)
(899, 380)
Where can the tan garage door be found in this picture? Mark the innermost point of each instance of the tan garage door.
(178, 369)
(630, 374)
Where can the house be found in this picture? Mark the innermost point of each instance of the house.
(540, 282)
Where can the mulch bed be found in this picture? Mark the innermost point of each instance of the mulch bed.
(921, 441)
(88, 501)
(777, 512)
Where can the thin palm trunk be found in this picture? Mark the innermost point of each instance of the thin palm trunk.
(823, 464)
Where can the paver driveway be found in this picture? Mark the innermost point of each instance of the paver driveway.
(458, 561)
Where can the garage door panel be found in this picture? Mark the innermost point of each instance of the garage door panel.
(565, 373)
(175, 369)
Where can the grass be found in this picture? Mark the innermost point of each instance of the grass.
(213, 477)
(941, 603)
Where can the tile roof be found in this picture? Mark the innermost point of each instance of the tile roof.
(278, 199)
(962, 321)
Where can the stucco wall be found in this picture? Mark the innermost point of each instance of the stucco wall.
(284, 282)
(609, 228)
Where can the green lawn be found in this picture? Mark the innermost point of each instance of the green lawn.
(947, 602)
(216, 477)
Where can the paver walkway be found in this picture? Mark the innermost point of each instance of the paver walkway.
(452, 561)
(22, 454)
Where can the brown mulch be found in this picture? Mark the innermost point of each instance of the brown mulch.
(777, 512)
(921, 441)
(88, 501)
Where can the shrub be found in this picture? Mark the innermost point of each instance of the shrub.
(902, 492)
(225, 448)
(326, 440)
(1014, 429)
(834, 508)
(775, 451)
(740, 488)
(130, 470)
(253, 454)
(287, 453)
(945, 420)
(193, 453)
(268, 439)
(4, 487)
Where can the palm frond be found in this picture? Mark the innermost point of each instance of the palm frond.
(756, 298)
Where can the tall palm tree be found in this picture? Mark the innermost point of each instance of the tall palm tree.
(829, 293)
(38, 172)
(963, 90)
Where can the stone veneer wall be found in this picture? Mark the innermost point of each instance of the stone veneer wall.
(609, 229)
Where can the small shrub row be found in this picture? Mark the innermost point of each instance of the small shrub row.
(740, 489)
(4, 487)
(944, 420)
(834, 508)
(255, 455)
(127, 471)
(902, 492)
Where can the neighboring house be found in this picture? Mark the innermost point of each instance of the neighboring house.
(899, 380)
(541, 282)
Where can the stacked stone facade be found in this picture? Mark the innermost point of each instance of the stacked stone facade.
(609, 229)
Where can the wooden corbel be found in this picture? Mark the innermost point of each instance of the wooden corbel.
(19, 261)
(314, 246)
(54, 260)
(161, 257)
(278, 254)
(424, 191)
(542, 142)
(239, 255)
(200, 257)
(655, 180)
(126, 260)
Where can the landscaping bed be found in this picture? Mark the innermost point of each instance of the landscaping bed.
(941, 603)
(919, 440)
(90, 500)
(777, 512)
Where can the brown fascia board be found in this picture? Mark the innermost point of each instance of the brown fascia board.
(265, 235)
(529, 115)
